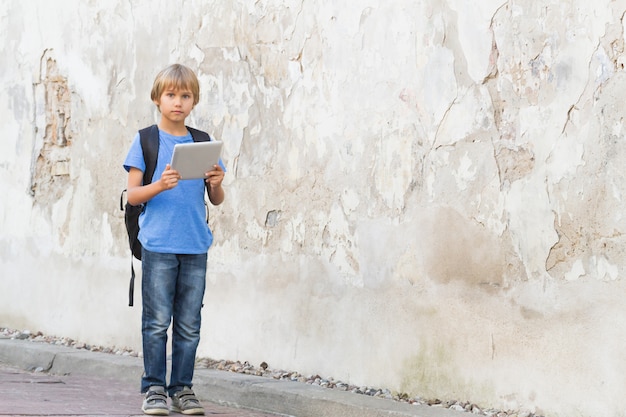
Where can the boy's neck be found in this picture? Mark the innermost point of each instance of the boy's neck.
(174, 129)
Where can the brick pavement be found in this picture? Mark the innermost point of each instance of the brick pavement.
(25, 393)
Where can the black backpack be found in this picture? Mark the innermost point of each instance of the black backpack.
(149, 138)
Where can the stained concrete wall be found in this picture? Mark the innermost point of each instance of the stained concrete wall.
(421, 195)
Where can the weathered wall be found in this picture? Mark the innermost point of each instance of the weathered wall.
(421, 195)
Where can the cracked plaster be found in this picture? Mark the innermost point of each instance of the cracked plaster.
(422, 195)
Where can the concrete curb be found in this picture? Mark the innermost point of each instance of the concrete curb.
(225, 388)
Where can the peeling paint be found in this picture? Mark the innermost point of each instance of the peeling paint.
(51, 169)
(443, 177)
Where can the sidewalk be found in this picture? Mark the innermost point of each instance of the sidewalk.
(79, 382)
(24, 393)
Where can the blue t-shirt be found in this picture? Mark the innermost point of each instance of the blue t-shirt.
(173, 221)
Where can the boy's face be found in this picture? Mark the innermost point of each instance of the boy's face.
(175, 104)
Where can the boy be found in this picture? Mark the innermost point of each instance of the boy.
(175, 239)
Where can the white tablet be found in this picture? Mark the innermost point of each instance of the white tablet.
(193, 160)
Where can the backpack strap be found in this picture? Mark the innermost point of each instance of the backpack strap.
(149, 138)
(199, 135)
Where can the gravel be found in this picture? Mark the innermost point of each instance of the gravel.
(264, 370)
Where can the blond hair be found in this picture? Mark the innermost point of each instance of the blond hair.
(177, 77)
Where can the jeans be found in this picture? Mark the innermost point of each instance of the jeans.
(172, 288)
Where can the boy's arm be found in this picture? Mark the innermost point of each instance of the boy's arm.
(214, 179)
(138, 194)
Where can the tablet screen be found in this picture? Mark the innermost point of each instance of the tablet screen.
(193, 160)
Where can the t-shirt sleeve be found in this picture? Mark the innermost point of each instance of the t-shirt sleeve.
(134, 158)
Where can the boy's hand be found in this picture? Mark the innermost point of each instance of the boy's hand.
(215, 177)
(169, 178)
